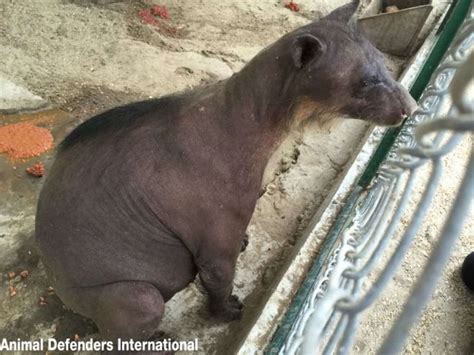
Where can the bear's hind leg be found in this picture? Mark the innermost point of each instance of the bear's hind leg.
(126, 309)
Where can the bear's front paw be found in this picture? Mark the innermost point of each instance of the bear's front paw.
(227, 311)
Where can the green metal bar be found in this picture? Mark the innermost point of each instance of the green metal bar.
(290, 317)
(454, 18)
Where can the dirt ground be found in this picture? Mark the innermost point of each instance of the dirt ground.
(84, 58)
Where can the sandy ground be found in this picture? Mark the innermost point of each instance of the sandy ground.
(85, 58)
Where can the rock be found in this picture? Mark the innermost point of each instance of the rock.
(14, 98)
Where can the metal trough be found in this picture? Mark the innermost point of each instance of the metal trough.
(396, 32)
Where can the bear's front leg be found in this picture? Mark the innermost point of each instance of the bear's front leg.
(216, 265)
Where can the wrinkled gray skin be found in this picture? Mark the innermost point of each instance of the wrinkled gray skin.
(143, 197)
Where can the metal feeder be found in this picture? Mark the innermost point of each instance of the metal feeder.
(395, 32)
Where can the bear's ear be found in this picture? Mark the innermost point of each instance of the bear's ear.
(344, 13)
(306, 48)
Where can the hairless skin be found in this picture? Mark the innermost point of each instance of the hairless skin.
(143, 197)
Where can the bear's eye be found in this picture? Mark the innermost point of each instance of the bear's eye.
(369, 81)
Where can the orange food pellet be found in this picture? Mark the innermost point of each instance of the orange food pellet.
(24, 140)
(161, 11)
(11, 275)
(292, 6)
(36, 170)
(24, 274)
